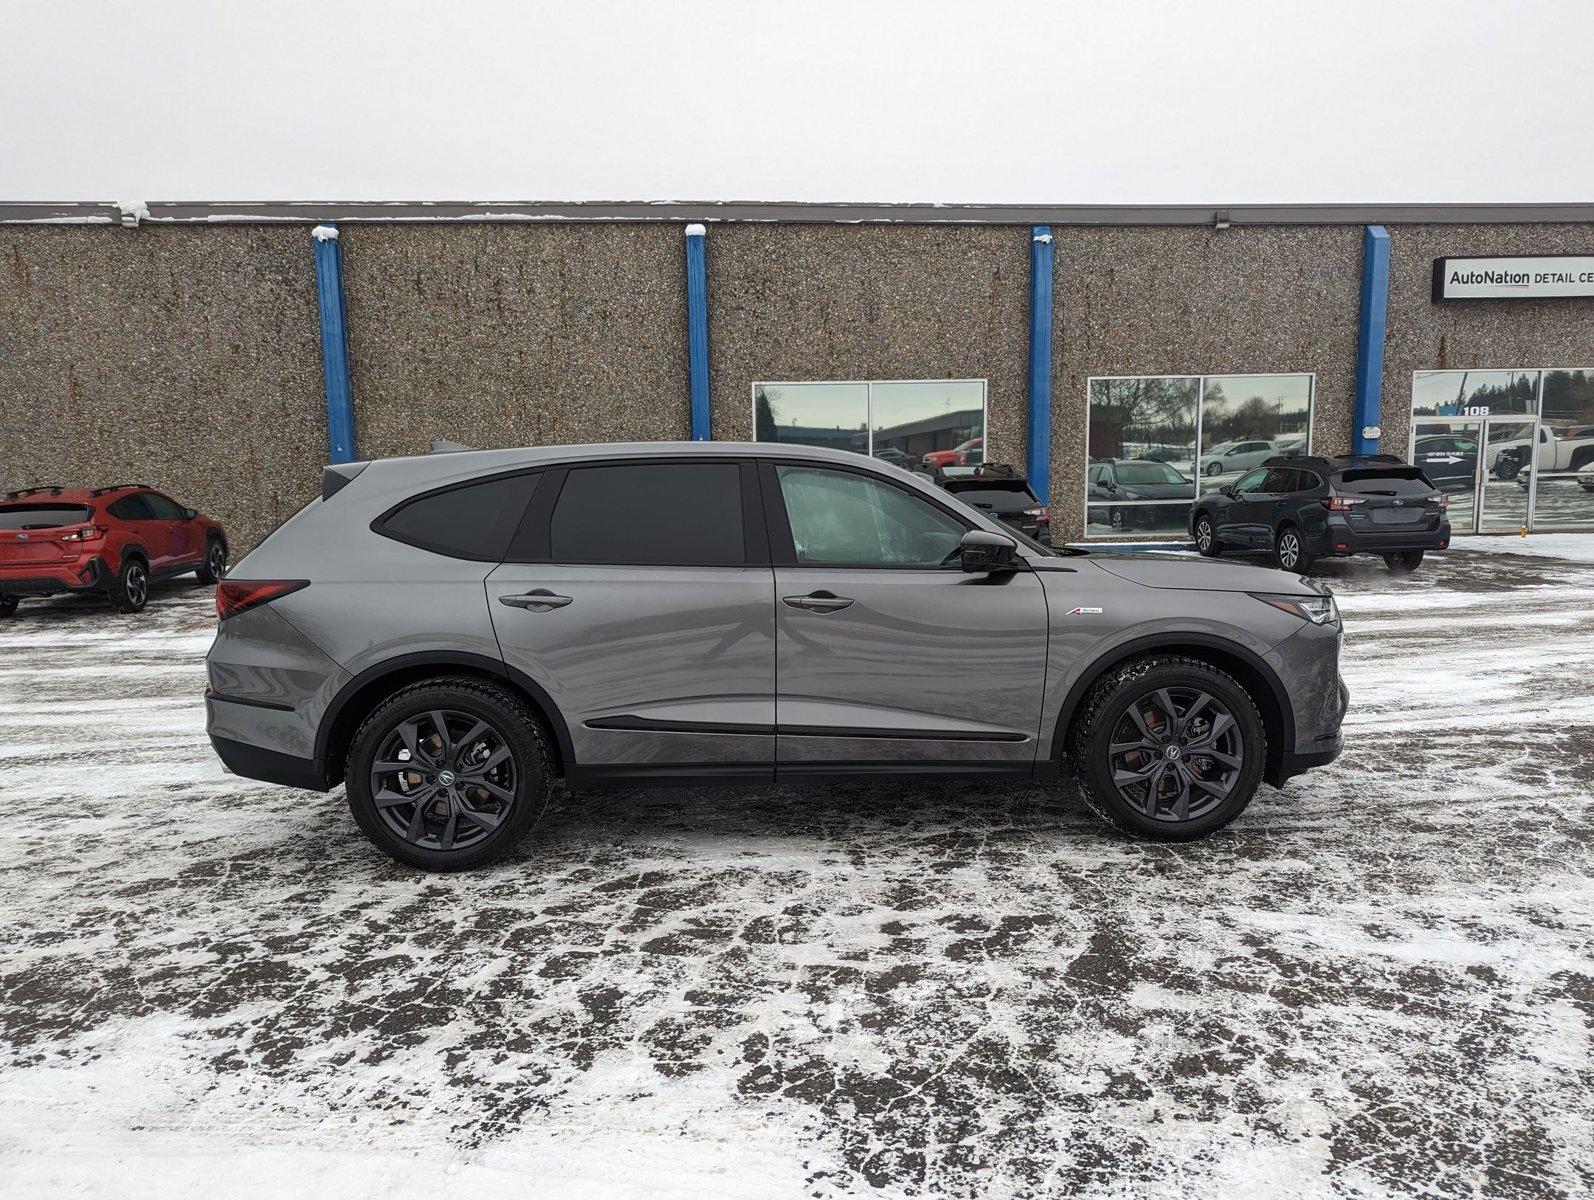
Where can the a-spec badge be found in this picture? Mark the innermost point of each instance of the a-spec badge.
(1083, 611)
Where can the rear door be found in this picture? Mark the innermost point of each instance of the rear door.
(890, 657)
(143, 528)
(1272, 503)
(639, 595)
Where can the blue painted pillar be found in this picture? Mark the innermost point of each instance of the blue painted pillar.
(1040, 363)
(697, 330)
(334, 343)
(1370, 340)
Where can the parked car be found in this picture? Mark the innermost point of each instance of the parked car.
(949, 458)
(448, 634)
(1130, 479)
(1448, 458)
(1299, 509)
(1228, 458)
(1566, 449)
(998, 490)
(113, 540)
(896, 458)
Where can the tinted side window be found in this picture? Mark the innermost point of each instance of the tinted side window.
(1251, 481)
(130, 508)
(163, 507)
(842, 518)
(650, 514)
(1279, 481)
(475, 521)
(1306, 481)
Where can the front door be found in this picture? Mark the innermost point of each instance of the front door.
(179, 530)
(1246, 514)
(1448, 453)
(889, 656)
(641, 598)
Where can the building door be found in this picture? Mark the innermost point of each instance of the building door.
(1485, 466)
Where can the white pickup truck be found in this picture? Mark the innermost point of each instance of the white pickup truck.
(1562, 448)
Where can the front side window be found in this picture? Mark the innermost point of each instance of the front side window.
(475, 521)
(650, 514)
(1251, 481)
(163, 508)
(917, 424)
(839, 518)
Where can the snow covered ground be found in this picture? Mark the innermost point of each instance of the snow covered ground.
(1380, 981)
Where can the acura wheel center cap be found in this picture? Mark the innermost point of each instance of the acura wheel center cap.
(1172, 752)
(446, 778)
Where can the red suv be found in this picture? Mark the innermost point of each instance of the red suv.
(109, 539)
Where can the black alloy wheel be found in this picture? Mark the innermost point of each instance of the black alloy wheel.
(130, 589)
(215, 565)
(448, 773)
(1169, 747)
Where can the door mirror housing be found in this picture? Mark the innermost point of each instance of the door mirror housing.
(190, 513)
(1226, 490)
(985, 552)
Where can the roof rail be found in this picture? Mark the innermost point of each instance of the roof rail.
(116, 487)
(53, 488)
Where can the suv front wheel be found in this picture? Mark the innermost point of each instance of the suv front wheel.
(1168, 747)
(448, 773)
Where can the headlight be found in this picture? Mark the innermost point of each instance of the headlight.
(1319, 610)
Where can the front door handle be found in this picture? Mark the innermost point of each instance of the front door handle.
(536, 600)
(817, 602)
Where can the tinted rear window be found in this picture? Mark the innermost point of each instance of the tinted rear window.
(475, 521)
(1390, 481)
(42, 516)
(1013, 497)
(650, 514)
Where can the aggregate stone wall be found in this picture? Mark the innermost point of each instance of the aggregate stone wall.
(187, 357)
(515, 334)
(870, 302)
(1143, 300)
(1474, 334)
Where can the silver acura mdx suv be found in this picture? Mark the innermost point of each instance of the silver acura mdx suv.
(449, 634)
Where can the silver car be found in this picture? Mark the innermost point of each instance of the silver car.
(1230, 458)
(450, 635)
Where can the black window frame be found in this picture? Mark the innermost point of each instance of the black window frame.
(783, 548)
(379, 525)
(532, 542)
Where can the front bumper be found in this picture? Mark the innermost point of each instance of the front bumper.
(46, 579)
(1341, 540)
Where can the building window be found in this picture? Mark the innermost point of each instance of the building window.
(1156, 442)
(917, 424)
(1513, 448)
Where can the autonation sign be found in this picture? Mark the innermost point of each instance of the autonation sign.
(1515, 277)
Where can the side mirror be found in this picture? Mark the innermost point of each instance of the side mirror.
(983, 552)
(190, 513)
(1226, 490)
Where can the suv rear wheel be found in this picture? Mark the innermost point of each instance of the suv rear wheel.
(215, 561)
(1289, 550)
(1168, 747)
(1403, 563)
(8, 605)
(448, 773)
(129, 591)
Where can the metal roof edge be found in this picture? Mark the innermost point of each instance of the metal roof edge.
(322, 212)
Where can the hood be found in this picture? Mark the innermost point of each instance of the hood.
(1195, 574)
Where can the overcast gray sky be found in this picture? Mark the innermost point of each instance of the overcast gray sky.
(941, 100)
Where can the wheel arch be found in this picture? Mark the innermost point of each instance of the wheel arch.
(1260, 681)
(360, 695)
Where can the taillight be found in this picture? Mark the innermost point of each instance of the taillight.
(1042, 513)
(89, 533)
(234, 596)
(1341, 503)
(1441, 500)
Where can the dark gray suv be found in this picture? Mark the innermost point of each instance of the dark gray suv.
(448, 635)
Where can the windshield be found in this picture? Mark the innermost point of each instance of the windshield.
(1148, 472)
(42, 516)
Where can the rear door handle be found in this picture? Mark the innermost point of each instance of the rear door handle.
(817, 602)
(536, 600)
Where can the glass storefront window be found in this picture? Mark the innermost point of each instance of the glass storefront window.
(1154, 440)
(1514, 448)
(916, 424)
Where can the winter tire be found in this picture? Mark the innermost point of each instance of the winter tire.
(1169, 748)
(1289, 551)
(215, 564)
(8, 605)
(1403, 563)
(448, 773)
(130, 590)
